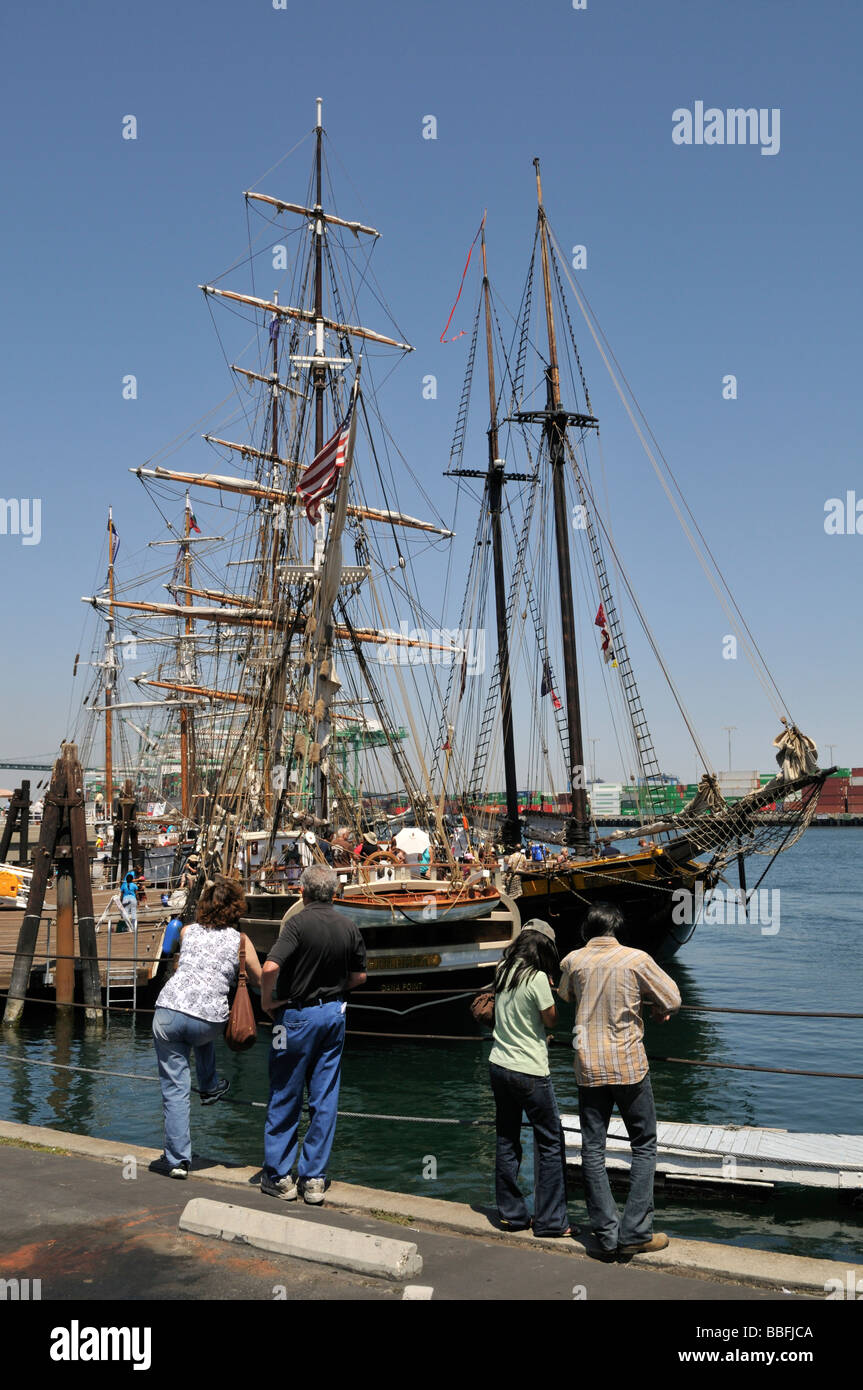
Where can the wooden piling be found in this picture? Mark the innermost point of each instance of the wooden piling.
(17, 820)
(64, 974)
(62, 843)
(26, 947)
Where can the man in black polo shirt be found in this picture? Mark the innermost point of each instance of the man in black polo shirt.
(318, 958)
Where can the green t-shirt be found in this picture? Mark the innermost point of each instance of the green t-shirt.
(519, 1033)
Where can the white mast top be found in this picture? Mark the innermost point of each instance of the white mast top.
(320, 102)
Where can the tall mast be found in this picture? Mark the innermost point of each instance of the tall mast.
(184, 713)
(510, 829)
(109, 674)
(577, 830)
(272, 730)
(319, 375)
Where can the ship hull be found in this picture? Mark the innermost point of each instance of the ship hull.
(422, 971)
(643, 886)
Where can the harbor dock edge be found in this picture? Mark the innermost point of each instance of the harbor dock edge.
(761, 1269)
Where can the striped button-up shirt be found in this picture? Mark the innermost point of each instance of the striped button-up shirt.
(608, 981)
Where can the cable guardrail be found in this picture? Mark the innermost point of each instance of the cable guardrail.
(480, 1038)
(451, 1121)
(467, 993)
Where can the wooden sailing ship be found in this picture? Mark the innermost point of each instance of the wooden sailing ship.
(272, 639)
(677, 855)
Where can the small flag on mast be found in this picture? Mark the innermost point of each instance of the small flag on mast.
(322, 475)
(607, 649)
(547, 687)
(275, 325)
(193, 524)
(113, 542)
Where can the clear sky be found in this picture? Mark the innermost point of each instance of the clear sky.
(703, 261)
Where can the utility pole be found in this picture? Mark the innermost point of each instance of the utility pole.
(593, 742)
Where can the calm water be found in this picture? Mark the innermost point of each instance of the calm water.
(814, 961)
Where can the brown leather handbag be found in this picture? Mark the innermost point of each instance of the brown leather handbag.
(241, 1031)
(482, 1007)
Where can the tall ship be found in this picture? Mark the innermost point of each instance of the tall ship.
(280, 668)
(264, 688)
(545, 574)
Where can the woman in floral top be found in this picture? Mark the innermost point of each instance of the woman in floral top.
(192, 1010)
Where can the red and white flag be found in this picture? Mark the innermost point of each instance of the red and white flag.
(322, 475)
(607, 649)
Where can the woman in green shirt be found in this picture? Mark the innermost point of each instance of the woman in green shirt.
(521, 1082)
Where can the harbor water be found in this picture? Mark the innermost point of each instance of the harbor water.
(813, 961)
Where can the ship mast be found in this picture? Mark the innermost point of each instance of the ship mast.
(319, 376)
(510, 830)
(185, 716)
(272, 729)
(556, 419)
(109, 674)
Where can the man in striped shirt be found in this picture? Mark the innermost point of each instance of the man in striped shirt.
(608, 983)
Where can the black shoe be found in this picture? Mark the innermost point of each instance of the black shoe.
(210, 1097)
(596, 1252)
(509, 1226)
(170, 1170)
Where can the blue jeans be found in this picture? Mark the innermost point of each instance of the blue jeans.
(306, 1052)
(173, 1035)
(637, 1110)
(517, 1093)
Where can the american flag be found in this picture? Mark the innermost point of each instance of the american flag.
(322, 475)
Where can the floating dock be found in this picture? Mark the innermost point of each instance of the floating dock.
(737, 1155)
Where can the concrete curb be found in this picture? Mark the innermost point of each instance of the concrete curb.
(758, 1268)
(303, 1240)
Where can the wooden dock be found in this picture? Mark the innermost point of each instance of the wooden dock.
(734, 1155)
(151, 928)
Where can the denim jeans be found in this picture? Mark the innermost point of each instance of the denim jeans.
(173, 1035)
(635, 1103)
(516, 1093)
(130, 921)
(306, 1052)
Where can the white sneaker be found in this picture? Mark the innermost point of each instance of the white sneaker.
(285, 1188)
(313, 1191)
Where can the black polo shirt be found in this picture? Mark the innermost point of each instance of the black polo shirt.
(317, 950)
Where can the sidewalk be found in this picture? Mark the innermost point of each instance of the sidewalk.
(92, 1224)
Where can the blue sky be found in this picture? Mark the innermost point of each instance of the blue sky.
(702, 261)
